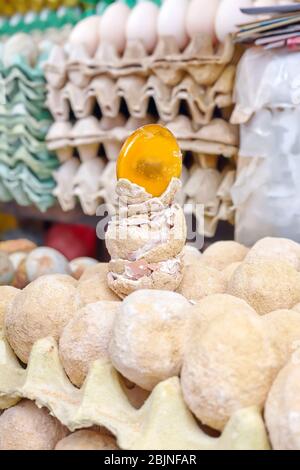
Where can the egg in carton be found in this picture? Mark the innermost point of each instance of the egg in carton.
(17, 251)
(120, 325)
(165, 419)
(243, 362)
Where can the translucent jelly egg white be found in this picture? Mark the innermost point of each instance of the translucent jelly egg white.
(86, 33)
(172, 19)
(201, 16)
(229, 15)
(113, 25)
(142, 24)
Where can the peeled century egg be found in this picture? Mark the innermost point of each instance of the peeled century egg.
(142, 24)
(171, 21)
(229, 16)
(86, 33)
(201, 16)
(113, 25)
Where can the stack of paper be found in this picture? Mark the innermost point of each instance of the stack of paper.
(273, 28)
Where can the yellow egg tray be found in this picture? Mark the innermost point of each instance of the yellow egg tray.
(137, 92)
(11, 7)
(163, 422)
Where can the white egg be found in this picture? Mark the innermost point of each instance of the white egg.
(201, 16)
(86, 33)
(229, 16)
(113, 25)
(171, 21)
(142, 24)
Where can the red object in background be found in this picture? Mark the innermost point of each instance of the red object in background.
(73, 241)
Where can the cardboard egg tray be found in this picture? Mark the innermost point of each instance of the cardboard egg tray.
(197, 81)
(216, 138)
(26, 166)
(20, 184)
(200, 60)
(93, 183)
(137, 92)
(162, 423)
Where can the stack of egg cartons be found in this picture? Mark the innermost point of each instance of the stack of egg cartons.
(128, 68)
(26, 165)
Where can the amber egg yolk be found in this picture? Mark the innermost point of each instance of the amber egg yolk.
(150, 158)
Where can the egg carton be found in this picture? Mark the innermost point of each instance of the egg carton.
(210, 189)
(41, 165)
(93, 183)
(29, 93)
(216, 138)
(163, 423)
(17, 108)
(21, 185)
(21, 71)
(24, 107)
(17, 115)
(24, 129)
(137, 92)
(201, 60)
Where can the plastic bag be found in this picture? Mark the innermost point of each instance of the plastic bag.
(266, 193)
(266, 79)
